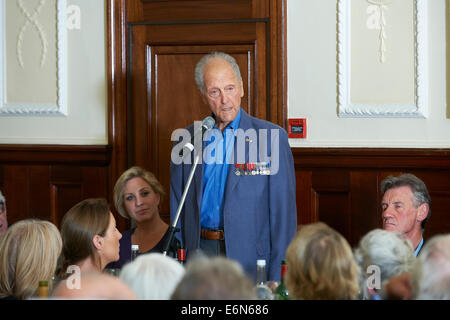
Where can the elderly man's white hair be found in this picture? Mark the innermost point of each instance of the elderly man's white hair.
(431, 274)
(2, 198)
(152, 276)
(386, 250)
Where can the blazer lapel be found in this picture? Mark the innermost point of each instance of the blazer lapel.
(232, 178)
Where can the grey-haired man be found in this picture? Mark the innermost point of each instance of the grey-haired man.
(406, 207)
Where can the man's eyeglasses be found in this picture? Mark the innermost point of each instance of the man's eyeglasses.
(2, 207)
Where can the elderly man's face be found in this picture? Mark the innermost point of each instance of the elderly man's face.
(222, 91)
(399, 213)
(3, 218)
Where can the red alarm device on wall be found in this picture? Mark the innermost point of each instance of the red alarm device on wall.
(297, 128)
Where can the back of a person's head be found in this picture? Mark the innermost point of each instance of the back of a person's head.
(152, 276)
(385, 252)
(29, 252)
(94, 285)
(321, 265)
(216, 278)
(431, 273)
(79, 225)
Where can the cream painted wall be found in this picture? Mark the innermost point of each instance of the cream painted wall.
(312, 85)
(86, 122)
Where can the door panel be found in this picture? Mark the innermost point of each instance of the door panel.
(153, 48)
(164, 94)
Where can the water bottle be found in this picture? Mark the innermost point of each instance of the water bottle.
(134, 251)
(263, 292)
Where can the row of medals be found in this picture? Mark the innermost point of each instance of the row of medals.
(252, 169)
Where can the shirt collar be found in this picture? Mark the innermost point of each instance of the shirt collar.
(233, 124)
(418, 248)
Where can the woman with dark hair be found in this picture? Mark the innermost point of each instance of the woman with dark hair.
(90, 237)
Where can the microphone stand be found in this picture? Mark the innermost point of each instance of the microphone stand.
(173, 228)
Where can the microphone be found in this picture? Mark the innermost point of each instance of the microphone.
(207, 124)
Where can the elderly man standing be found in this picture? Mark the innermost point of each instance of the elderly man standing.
(406, 207)
(241, 203)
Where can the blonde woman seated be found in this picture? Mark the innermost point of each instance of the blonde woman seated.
(138, 196)
(29, 252)
(321, 265)
(152, 276)
(90, 237)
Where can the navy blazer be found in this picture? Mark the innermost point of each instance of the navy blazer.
(260, 216)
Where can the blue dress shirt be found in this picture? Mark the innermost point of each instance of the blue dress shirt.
(416, 252)
(217, 153)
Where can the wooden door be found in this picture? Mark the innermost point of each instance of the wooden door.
(163, 42)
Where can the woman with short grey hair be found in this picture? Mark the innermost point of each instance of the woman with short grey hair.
(430, 277)
(152, 276)
(380, 256)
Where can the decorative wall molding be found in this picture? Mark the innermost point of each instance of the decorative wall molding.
(418, 109)
(380, 6)
(372, 158)
(31, 18)
(36, 109)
